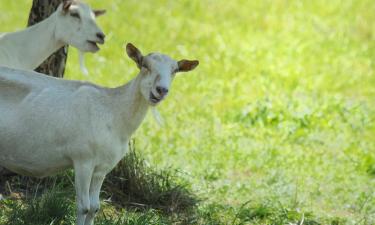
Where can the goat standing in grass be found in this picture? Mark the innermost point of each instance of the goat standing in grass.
(49, 124)
(73, 23)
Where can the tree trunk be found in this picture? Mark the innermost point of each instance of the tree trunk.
(55, 64)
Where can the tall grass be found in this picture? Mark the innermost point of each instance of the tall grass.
(133, 183)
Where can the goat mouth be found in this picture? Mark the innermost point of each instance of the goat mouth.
(155, 99)
(93, 44)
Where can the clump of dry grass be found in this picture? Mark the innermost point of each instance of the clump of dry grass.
(135, 184)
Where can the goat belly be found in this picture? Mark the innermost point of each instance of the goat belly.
(37, 166)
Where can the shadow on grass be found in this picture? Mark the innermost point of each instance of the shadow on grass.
(134, 184)
(52, 207)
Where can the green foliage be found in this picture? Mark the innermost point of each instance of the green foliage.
(280, 111)
(51, 208)
(132, 218)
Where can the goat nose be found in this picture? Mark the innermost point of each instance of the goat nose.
(161, 90)
(100, 35)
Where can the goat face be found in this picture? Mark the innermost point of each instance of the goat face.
(157, 71)
(76, 26)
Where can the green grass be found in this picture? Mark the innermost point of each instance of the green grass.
(279, 114)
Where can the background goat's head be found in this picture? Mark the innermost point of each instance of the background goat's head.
(76, 25)
(157, 71)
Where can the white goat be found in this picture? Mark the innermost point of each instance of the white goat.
(49, 124)
(73, 23)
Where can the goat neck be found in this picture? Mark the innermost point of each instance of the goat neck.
(43, 34)
(131, 107)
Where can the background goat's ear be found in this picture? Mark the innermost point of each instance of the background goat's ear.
(99, 12)
(134, 54)
(187, 65)
(66, 5)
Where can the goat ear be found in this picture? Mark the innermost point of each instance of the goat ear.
(134, 54)
(99, 12)
(66, 5)
(187, 65)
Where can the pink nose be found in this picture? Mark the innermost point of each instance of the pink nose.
(161, 90)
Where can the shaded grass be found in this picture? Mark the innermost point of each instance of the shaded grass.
(134, 183)
(154, 194)
(52, 207)
(23, 187)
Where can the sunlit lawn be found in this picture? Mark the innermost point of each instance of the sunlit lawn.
(279, 113)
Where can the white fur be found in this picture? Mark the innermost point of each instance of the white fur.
(48, 125)
(28, 48)
(158, 118)
(82, 63)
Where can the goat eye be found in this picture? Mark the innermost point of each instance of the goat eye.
(146, 68)
(75, 15)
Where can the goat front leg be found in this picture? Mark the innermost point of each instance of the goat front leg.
(83, 174)
(96, 184)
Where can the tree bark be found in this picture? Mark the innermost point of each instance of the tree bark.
(55, 64)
